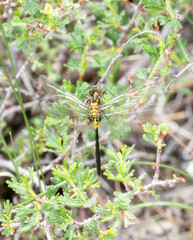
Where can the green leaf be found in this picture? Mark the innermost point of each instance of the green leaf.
(153, 133)
(98, 11)
(99, 209)
(78, 175)
(82, 89)
(17, 22)
(110, 234)
(153, 52)
(2, 218)
(8, 232)
(92, 227)
(23, 212)
(122, 201)
(66, 199)
(122, 156)
(165, 127)
(153, 59)
(8, 28)
(102, 61)
(6, 218)
(73, 65)
(8, 208)
(68, 86)
(174, 23)
(126, 151)
(119, 130)
(148, 128)
(54, 217)
(60, 174)
(142, 73)
(52, 121)
(114, 155)
(149, 138)
(147, 47)
(122, 164)
(77, 41)
(140, 21)
(153, 4)
(23, 188)
(58, 111)
(165, 70)
(91, 202)
(51, 139)
(33, 7)
(92, 181)
(64, 212)
(30, 222)
(116, 223)
(113, 34)
(163, 19)
(51, 205)
(51, 190)
(170, 39)
(70, 233)
(62, 23)
(112, 176)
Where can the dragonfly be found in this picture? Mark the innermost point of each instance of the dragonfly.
(97, 108)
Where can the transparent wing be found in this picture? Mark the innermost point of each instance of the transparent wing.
(67, 103)
(129, 110)
(132, 101)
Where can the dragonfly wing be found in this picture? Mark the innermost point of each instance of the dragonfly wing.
(51, 92)
(54, 90)
(66, 103)
(133, 101)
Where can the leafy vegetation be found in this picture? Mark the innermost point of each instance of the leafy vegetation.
(76, 41)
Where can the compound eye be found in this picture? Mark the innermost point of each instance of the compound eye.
(91, 92)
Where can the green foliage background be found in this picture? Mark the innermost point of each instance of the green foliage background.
(74, 42)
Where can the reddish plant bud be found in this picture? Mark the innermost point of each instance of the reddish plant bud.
(154, 165)
(181, 179)
(141, 189)
(10, 104)
(150, 193)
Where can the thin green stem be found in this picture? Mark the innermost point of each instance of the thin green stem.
(166, 166)
(188, 19)
(172, 16)
(9, 153)
(184, 52)
(7, 174)
(162, 203)
(20, 101)
(15, 163)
